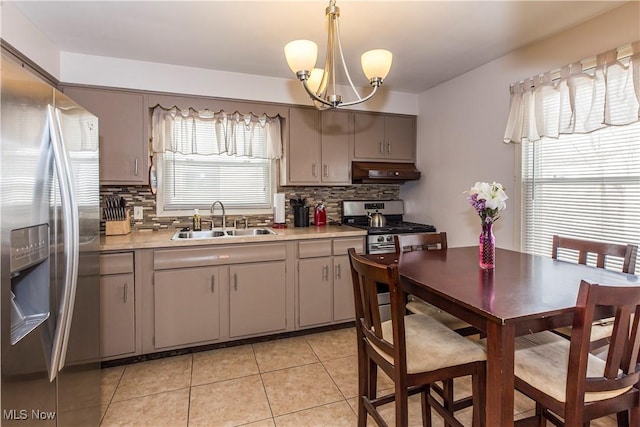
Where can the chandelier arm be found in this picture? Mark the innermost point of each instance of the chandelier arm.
(344, 64)
(314, 96)
(358, 101)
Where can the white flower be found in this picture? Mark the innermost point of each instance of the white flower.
(488, 200)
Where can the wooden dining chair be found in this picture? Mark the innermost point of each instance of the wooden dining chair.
(566, 380)
(413, 350)
(602, 328)
(435, 242)
(429, 241)
(602, 251)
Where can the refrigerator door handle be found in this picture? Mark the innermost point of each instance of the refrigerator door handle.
(71, 244)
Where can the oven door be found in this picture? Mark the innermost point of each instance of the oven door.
(375, 246)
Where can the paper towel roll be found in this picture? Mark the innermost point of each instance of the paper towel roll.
(278, 208)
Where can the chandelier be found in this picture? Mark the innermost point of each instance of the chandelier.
(320, 84)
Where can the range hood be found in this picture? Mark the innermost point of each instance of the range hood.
(383, 172)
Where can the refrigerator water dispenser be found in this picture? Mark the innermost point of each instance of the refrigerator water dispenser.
(30, 279)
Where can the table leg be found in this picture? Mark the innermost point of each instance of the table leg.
(500, 379)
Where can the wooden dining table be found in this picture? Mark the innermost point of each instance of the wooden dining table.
(523, 294)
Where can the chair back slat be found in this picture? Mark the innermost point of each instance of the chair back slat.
(422, 241)
(602, 250)
(621, 367)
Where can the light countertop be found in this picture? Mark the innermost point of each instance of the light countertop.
(162, 238)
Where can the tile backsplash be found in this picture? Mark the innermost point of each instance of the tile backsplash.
(331, 196)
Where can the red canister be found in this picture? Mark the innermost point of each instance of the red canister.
(320, 215)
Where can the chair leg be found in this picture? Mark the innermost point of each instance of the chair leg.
(363, 390)
(447, 398)
(634, 416)
(401, 404)
(478, 390)
(426, 407)
(623, 418)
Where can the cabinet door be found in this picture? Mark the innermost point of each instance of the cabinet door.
(343, 305)
(369, 139)
(257, 298)
(186, 306)
(335, 147)
(400, 136)
(117, 315)
(121, 124)
(304, 146)
(314, 291)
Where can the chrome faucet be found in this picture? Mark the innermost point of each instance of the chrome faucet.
(224, 215)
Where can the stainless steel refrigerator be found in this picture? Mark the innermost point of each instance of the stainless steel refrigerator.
(49, 216)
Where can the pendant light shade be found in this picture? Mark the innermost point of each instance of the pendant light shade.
(376, 63)
(301, 55)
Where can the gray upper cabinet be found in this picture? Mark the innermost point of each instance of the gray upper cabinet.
(122, 121)
(384, 137)
(317, 151)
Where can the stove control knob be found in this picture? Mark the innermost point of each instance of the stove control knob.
(389, 238)
(380, 238)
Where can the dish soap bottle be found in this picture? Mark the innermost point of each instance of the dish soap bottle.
(197, 222)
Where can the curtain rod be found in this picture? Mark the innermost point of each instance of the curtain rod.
(586, 64)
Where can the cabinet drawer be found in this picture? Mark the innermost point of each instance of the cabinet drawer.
(341, 246)
(218, 255)
(119, 263)
(314, 248)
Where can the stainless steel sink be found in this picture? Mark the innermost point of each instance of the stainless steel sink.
(219, 233)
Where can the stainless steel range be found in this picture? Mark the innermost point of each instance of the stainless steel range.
(357, 213)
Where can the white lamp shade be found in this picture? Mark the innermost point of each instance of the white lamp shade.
(313, 82)
(376, 63)
(301, 55)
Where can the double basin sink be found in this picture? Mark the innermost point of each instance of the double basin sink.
(220, 233)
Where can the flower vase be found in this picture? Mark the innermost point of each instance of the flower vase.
(487, 255)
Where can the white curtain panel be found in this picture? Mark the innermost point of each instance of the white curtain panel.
(208, 133)
(578, 101)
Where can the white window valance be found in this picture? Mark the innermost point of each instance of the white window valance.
(579, 100)
(215, 133)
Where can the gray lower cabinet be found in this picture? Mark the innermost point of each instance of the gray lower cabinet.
(186, 306)
(325, 292)
(314, 290)
(257, 298)
(117, 305)
(343, 306)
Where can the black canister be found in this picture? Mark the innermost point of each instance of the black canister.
(301, 216)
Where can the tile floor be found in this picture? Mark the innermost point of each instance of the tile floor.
(304, 381)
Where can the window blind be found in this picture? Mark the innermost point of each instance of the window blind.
(195, 181)
(585, 186)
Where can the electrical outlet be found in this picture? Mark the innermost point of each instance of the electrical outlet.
(137, 212)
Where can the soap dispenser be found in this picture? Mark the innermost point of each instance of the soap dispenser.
(197, 221)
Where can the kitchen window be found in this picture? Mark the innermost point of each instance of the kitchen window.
(580, 152)
(585, 186)
(203, 157)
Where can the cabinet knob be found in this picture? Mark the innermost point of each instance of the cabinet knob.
(124, 293)
(213, 284)
(135, 167)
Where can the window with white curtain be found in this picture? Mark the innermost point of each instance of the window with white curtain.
(203, 157)
(580, 138)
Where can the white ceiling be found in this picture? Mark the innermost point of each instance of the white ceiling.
(432, 41)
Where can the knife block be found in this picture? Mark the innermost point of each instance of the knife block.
(118, 228)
